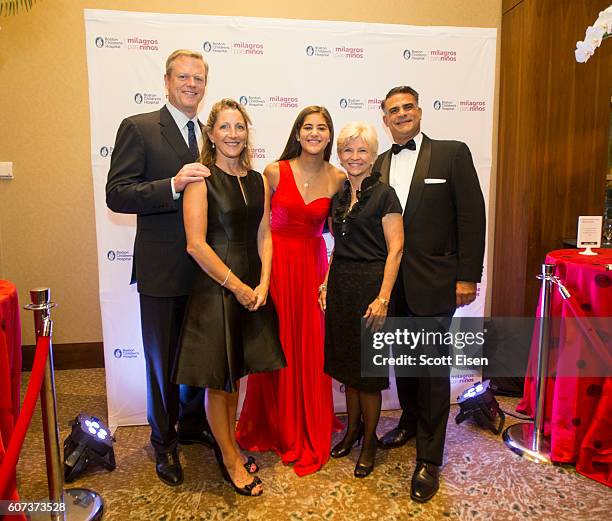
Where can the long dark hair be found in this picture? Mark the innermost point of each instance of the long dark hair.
(293, 148)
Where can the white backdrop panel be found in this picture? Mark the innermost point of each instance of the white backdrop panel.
(274, 67)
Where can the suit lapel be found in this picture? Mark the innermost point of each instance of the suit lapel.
(383, 165)
(173, 136)
(418, 179)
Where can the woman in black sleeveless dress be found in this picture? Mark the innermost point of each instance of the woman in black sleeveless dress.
(230, 329)
(369, 238)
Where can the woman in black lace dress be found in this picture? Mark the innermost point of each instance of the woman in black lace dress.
(366, 220)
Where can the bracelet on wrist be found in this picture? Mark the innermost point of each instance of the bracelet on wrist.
(322, 288)
(383, 301)
(226, 278)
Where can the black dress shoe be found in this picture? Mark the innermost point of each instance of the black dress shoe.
(344, 446)
(368, 454)
(425, 481)
(396, 438)
(204, 437)
(168, 468)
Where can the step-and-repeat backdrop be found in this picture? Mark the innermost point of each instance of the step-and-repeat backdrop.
(274, 67)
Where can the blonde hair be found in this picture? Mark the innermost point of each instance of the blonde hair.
(209, 152)
(358, 129)
(189, 54)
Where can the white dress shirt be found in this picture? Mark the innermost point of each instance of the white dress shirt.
(181, 122)
(401, 170)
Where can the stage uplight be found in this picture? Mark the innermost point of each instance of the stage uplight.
(90, 442)
(478, 402)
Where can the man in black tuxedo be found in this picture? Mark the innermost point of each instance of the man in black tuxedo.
(154, 159)
(444, 224)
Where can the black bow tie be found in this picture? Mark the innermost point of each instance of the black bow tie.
(396, 149)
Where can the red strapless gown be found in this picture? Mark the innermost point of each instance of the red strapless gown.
(290, 411)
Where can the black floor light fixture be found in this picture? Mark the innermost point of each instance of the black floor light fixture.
(90, 442)
(478, 402)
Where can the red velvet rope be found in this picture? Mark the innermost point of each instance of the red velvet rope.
(9, 463)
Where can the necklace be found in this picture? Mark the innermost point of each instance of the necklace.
(240, 172)
(305, 183)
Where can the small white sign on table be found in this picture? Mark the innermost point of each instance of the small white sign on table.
(589, 233)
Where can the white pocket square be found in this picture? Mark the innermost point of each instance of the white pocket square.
(434, 181)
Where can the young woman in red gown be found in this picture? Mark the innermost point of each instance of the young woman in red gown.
(291, 411)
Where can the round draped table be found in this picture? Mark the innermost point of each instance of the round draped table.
(10, 359)
(579, 403)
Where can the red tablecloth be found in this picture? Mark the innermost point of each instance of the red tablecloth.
(10, 358)
(10, 367)
(578, 408)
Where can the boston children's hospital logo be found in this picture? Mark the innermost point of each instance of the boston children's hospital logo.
(147, 98)
(252, 101)
(432, 55)
(106, 151)
(351, 103)
(318, 50)
(216, 47)
(119, 255)
(445, 105)
(108, 42)
(125, 352)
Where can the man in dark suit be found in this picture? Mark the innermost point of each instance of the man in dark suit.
(155, 157)
(444, 224)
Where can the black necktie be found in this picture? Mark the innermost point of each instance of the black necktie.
(193, 142)
(396, 149)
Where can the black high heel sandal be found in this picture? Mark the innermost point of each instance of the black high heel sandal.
(361, 469)
(251, 465)
(247, 490)
(344, 446)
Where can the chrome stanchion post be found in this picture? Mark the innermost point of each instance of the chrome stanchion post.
(75, 504)
(548, 272)
(43, 327)
(527, 439)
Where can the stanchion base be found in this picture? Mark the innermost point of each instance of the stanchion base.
(81, 505)
(520, 438)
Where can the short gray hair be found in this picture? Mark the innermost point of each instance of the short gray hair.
(358, 129)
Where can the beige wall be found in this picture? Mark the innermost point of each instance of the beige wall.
(47, 229)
